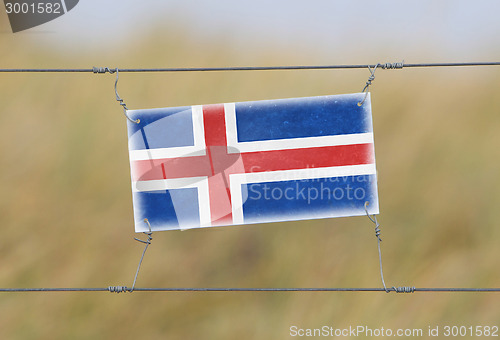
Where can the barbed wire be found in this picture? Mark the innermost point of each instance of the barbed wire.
(397, 65)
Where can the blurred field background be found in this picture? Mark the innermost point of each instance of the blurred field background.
(66, 210)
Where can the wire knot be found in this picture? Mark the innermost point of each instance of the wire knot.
(392, 66)
(147, 233)
(378, 232)
(370, 79)
(374, 220)
(403, 289)
(368, 83)
(118, 289)
(103, 70)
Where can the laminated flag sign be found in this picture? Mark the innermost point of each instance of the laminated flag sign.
(252, 162)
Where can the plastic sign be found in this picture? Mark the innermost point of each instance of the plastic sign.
(252, 162)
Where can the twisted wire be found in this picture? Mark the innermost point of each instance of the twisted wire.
(377, 234)
(379, 239)
(368, 83)
(104, 70)
(392, 66)
(118, 98)
(117, 289)
(147, 242)
(404, 289)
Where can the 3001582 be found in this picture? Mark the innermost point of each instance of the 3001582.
(40, 8)
(470, 331)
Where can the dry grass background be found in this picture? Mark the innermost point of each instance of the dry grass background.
(66, 211)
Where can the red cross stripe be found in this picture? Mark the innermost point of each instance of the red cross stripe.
(218, 164)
